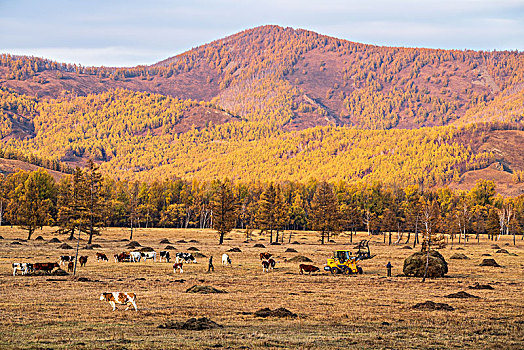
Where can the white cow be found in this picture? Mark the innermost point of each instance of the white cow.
(149, 255)
(135, 256)
(225, 259)
(24, 267)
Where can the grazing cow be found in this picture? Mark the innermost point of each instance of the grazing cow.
(101, 256)
(82, 260)
(265, 256)
(66, 258)
(135, 256)
(185, 257)
(70, 266)
(149, 255)
(226, 260)
(164, 254)
(178, 266)
(122, 257)
(47, 267)
(268, 265)
(307, 268)
(24, 267)
(119, 298)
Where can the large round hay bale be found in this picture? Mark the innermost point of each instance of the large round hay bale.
(415, 264)
(54, 240)
(489, 262)
(300, 258)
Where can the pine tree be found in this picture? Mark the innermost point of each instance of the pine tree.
(325, 216)
(224, 207)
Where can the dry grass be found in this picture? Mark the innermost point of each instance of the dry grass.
(368, 311)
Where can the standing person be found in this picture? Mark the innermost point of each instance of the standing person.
(211, 267)
(389, 266)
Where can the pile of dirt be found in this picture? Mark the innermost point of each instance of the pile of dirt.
(291, 250)
(169, 247)
(494, 246)
(54, 240)
(489, 262)
(461, 295)
(146, 249)
(295, 242)
(415, 265)
(430, 305)
(459, 256)
(459, 248)
(406, 247)
(300, 258)
(16, 243)
(502, 251)
(193, 324)
(181, 241)
(235, 250)
(64, 246)
(486, 254)
(198, 255)
(59, 272)
(165, 241)
(193, 241)
(280, 312)
(133, 244)
(204, 290)
(96, 245)
(39, 238)
(274, 243)
(259, 245)
(480, 286)
(193, 249)
(1, 237)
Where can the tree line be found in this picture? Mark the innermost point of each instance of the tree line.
(86, 201)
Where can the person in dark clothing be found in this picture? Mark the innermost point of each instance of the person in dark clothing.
(210, 267)
(388, 267)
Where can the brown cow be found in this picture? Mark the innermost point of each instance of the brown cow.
(82, 260)
(308, 268)
(70, 266)
(101, 256)
(122, 257)
(47, 267)
(265, 256)
(119, 298)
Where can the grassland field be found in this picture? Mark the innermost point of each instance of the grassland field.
(369, 311)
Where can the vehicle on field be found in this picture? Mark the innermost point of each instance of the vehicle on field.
(343, 262)
(363, 251)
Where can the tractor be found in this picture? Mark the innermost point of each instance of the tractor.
(363, 252)
(344, 262)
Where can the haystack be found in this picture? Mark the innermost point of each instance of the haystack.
(415, 265)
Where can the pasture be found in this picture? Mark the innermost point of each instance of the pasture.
(368, 311)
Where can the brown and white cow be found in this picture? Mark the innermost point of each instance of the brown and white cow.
(268, 265)
(65, 259)
(47, 267)
(24, 267)
(307, 268)
(122, 257)
(70, 266)
(114, 298)
(101, 256)
(178, 266)
(82, 260)
(265, 256)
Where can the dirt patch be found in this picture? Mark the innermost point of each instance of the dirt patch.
(502, 251)
(300, 258)
(204, 290)
(54, 240)
(415, 265)
(461, 295)
(165, 241)
(259, 245)
(280, 312)
(291, 250)
(430, 305)
(64, 246)
(459, 256)
(169, 247)
(198, 255)
(406, 247)
(489, 262)
(459, 248)
(480, 286)
(133, 244)
(235, 250)
(193, 324)
(193, 249)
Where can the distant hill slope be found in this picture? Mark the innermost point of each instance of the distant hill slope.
(274, 103)
(9, 166)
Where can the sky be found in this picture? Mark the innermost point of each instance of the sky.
(132, 32)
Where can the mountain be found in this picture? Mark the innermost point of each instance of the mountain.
(273, 103)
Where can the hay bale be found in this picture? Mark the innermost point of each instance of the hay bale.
(181, 241)
(64, 246)
(489, 262)
(192, 324)
(415, 264)
(295, 242)
(198, 255)
(39, 238)
(146, 249)
(16, 243)
(235, 250)
(193, 249)
(502, 251)
(54, 240)
(275, 243)
(430, 306)
(291, 250)
(59, 272)
(169, 247)
(1, 237)
(486, 254)
(300, 258)
(494, 246)
(193, 241)
(204, 290)
(461, 295)
(406, 247)
(134, 244)
(280, 312)
(459, 256)
(259, 245)
(165, 241)
(480, 286)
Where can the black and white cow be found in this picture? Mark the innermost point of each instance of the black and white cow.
(149, 255)
(65, 259)
(135, 256)
(24, 267)
(186, 258)
(164, 254)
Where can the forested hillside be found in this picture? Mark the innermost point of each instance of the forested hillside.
(273, 104)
